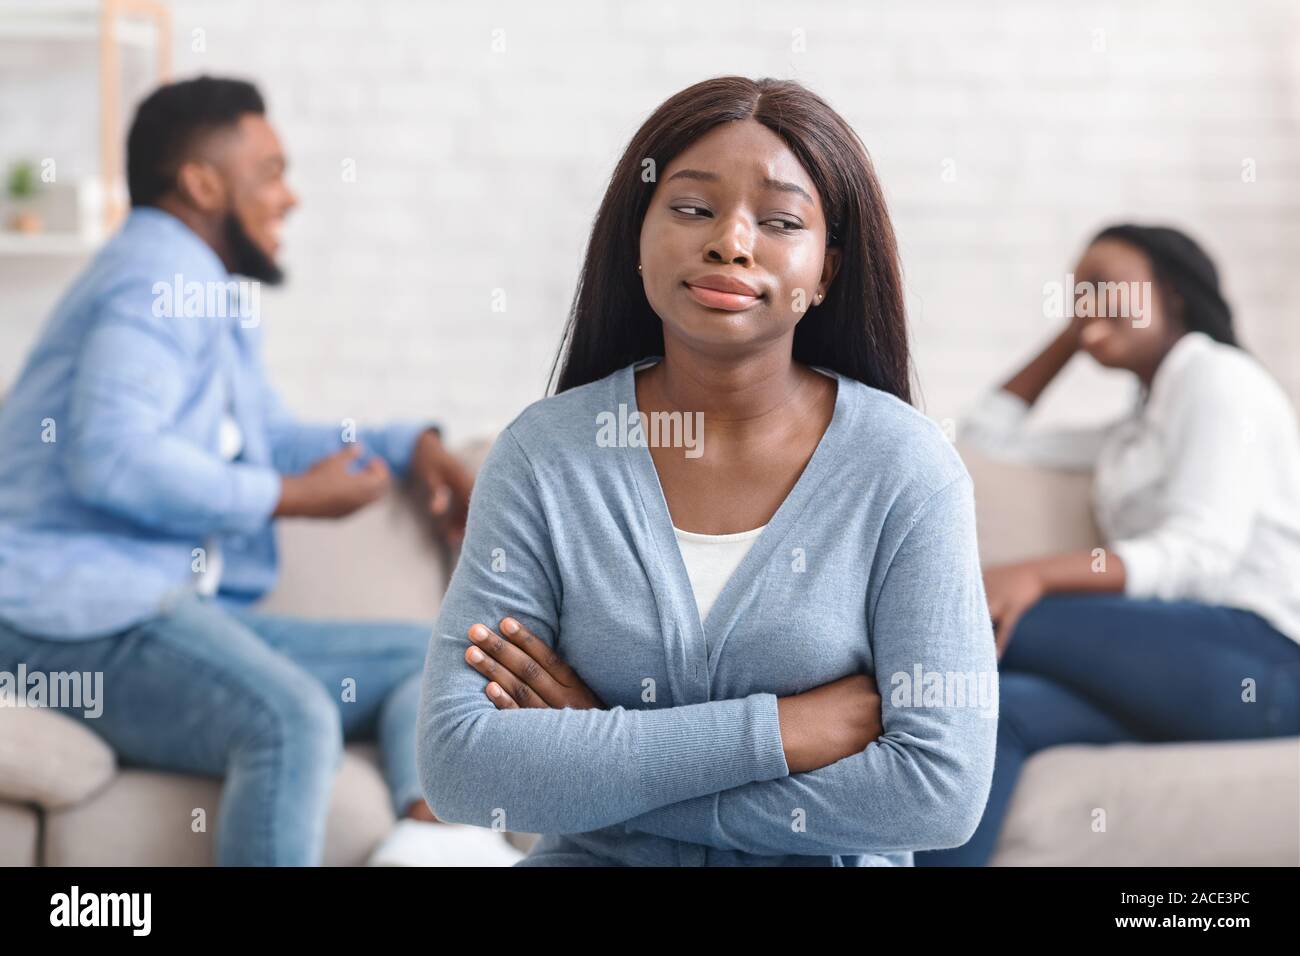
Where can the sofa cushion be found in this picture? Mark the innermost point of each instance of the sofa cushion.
(50, 759)
(19, 829)
(145, 818)
(380, 563)
(383, 562)
(1024, 512)
(1183, 804)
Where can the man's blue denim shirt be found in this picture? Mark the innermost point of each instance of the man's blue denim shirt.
(111, 475)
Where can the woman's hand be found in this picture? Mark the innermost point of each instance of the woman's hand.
(1011, 589)
(818, 727)
(522, 671)
(829, 722)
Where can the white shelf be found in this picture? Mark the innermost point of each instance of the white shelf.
(67, 21)
(45, 244)
(108, 25)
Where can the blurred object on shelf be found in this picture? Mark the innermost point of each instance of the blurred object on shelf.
(49, 217)
(22, 187)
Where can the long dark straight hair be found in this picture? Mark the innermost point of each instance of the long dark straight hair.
(859, 330)
(1183, 267)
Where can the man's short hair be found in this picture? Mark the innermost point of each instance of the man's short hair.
(171, 120)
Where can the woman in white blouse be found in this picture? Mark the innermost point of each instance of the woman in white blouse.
(1187, 625)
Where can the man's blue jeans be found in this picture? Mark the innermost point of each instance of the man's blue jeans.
(1100, 669)
(265, 702)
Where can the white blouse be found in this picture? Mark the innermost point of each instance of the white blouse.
(711, 560)
(1197, 488)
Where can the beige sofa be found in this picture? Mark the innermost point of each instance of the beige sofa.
(64, 800)
(1191, 804)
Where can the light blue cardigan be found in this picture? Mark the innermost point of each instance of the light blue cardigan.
(869, 566)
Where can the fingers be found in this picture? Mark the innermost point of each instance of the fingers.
(997, 613)
(454, 522)
(1006, 625)
(367, 484)
(431, 477)
(338, 461)
(460, 480)
(497, 694)
(489, 668)
(451, 531)
(449, 485)
(377, 470)
(344, 460)
(554, 665)
(997, 607)
(518, 673)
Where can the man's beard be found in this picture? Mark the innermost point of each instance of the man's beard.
(249, 260)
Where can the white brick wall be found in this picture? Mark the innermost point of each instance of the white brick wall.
(481, 170)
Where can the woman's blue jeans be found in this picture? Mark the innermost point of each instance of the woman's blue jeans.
(265, 702)
(1100, 669)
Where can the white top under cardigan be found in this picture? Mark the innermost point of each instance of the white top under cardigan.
(1197, 489)
(710, 561)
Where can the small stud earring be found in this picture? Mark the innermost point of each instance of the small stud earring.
(638, 267)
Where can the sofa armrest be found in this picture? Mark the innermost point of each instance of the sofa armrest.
(50, 759)
(1204, 803)
(384, 562)
(1026, 511)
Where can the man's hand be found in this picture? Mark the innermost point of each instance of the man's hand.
(1011, 589)
(331, 488)
(447, 483)
(524, 671)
